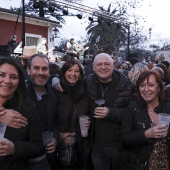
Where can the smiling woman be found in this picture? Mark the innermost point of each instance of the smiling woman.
(146, 138)
(17, 143)
(72, 103)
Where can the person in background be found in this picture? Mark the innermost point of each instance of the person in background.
(146, 140)
(88, 68)
(166, 78)
(133, 61)
(71, 48)
(72, 103)
(12, 44)
(160, 71)
(54, 69)
(136, 70)
(44, 96)
(18, 144)
(41, 47)
(166, 63)
(28, 51)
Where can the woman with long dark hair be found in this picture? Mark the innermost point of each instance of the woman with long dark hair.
(18, 145)
(72, 103)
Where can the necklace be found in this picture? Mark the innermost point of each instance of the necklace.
(150, 112)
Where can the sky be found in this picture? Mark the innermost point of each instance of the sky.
(157, 16)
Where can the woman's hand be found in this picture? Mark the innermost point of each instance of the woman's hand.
(159, 131)
(12, 118)
(6, 147)
(51, 147)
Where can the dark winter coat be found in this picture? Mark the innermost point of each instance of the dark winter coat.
(72, 103)
(135, 122)
(117, 104)
(27, 140)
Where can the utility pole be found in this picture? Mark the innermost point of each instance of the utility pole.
(23, 23)
(128, 43)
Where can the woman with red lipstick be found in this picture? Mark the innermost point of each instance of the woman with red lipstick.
(143, 136)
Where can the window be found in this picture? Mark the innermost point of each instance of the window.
(32, 39)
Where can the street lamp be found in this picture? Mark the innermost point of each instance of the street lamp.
(54, 35)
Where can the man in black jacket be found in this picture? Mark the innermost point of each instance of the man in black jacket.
(47, 105)
(116, 89)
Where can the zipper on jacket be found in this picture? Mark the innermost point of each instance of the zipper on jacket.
(103, 91)
(143, 124)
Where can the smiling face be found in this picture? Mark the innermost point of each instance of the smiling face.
(9, 80)
(149, 89)
(72, 75)
(103, 67)
(39, 72)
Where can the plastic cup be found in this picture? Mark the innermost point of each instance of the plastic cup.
(164, 118)
(47, 137)
(100, 102)
(83, 119)
(2, 130)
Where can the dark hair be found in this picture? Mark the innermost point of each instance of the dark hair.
(66, 57)
(68, 64)
(36, 55)
(134, 60)
(54, 68)
(20, 92)
(145, 76)
(71, 39)
(164, 68)
(166, 63)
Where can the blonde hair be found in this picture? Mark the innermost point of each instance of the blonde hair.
(137, 69)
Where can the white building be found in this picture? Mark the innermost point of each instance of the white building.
(164, 53)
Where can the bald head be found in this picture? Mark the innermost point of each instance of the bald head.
(103, 67)
(101, 56)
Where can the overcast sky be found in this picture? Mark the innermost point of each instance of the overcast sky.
(157, 12)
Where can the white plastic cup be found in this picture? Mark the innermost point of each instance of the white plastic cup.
(47, 137)
(2, 130)
(100, 102)
(164, 118)
(83, 119)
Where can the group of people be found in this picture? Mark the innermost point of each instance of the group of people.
(123, 134)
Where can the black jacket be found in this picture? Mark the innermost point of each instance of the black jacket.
(72, 103)
(27, 140)
(116, 103)
(135, 122)
(50, 103)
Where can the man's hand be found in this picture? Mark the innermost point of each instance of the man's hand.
(56, 84)
(101, 112)
(6, 147)
(12, 118)
(51, 147)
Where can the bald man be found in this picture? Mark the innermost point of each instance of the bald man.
(116, 90)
